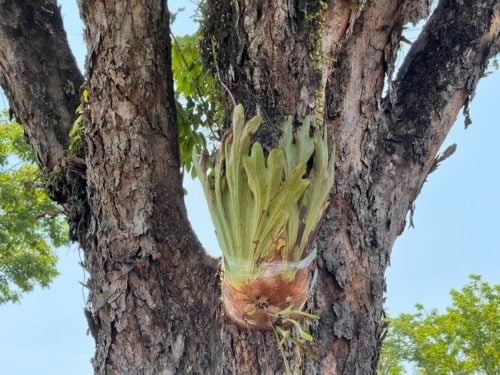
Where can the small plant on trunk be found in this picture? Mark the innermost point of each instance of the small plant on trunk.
(266, 210)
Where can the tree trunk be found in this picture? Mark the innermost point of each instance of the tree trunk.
(154, 293)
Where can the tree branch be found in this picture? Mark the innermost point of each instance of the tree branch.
(45, 94)
(353, 100)
(361, 64)
(438, 77)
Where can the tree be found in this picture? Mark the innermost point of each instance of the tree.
(155, 294)
(461, 340)
(30, 223)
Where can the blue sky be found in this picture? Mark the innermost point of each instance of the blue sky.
(456, 234)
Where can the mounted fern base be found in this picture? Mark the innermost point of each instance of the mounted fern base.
(266, 211)
(257, 304)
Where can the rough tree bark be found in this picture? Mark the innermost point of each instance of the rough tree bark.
(154, 293)
(43, 86)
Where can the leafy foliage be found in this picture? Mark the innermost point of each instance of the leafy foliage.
(198, 106)
(77, 133)
(266, 209)
(297, 336)
(463, 340)
(495, 64)
(29, 222)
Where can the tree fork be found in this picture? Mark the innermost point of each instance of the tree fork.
(154, 293)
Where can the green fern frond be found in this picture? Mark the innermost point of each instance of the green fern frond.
(266, 209)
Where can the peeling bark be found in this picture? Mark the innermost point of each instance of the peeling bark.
(154, 293)
(148, 271)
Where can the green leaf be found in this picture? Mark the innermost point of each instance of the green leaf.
(199, 112)
(258, 203)
(30, 224)
(463, 339)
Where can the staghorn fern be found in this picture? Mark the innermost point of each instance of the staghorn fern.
(266, 210)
